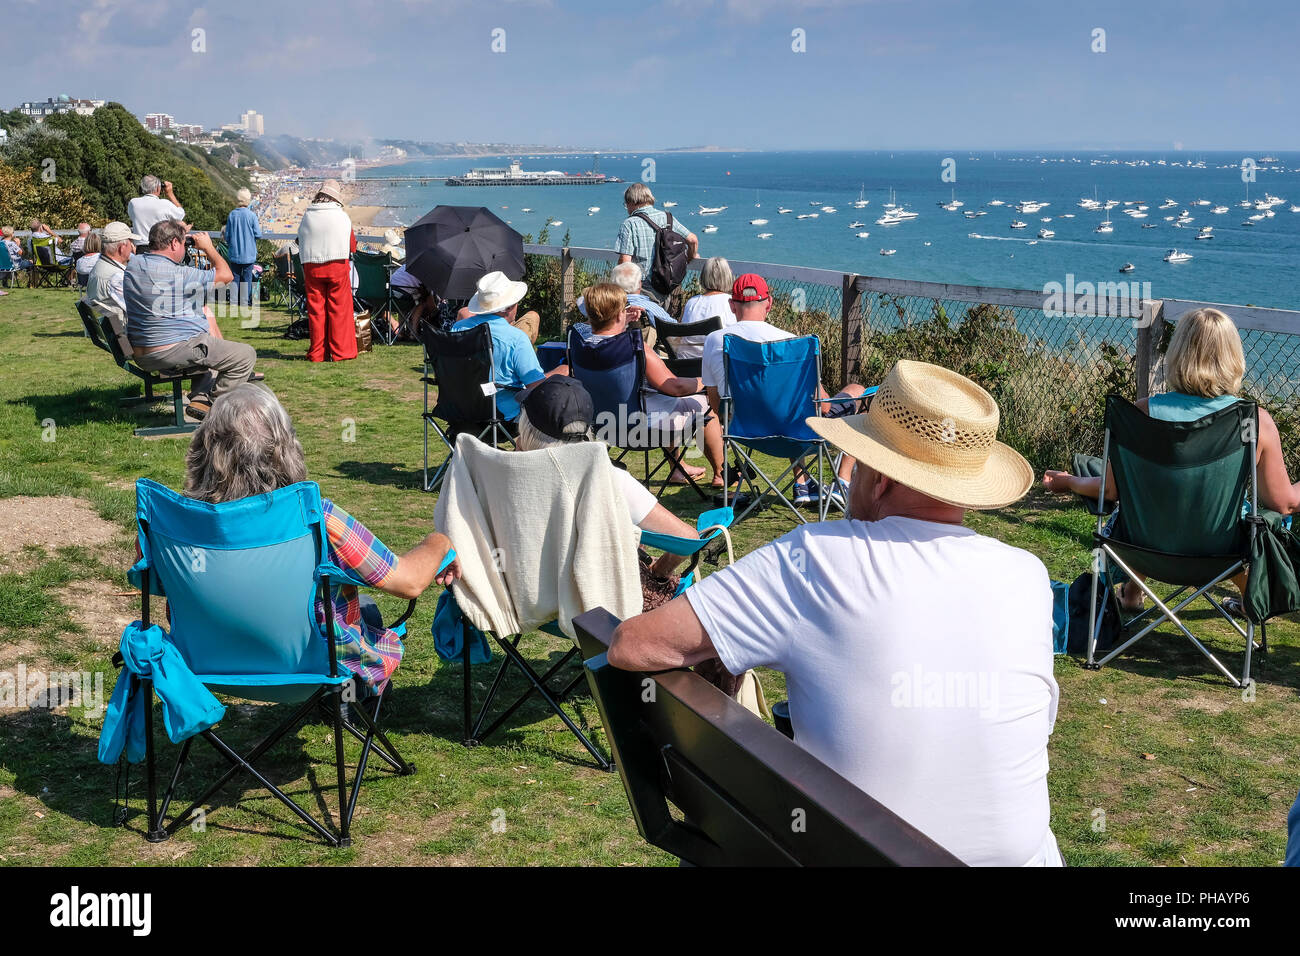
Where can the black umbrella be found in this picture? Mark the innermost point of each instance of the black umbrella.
(451, 247)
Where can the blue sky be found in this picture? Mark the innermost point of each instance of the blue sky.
(927, 74)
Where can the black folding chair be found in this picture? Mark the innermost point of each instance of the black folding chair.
(671, 336)
(459, 365)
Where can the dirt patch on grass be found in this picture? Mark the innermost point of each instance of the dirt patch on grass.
(52, 523)
(102, 609)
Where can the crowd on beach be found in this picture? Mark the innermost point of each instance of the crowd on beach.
(900, 586)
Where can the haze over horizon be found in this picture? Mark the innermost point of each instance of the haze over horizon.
(948, 74)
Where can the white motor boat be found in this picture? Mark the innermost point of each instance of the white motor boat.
(1173, 255)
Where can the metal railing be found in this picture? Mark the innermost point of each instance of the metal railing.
(1048, 364)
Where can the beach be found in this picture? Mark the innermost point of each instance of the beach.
(281, 204)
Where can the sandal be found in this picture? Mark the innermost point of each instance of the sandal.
(1234, 607)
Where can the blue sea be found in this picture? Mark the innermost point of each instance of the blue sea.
(1255, 265)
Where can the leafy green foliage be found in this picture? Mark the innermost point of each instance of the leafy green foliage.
(104, 156)
(23, 197)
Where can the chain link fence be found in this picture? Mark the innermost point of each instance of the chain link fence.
(1048, 368)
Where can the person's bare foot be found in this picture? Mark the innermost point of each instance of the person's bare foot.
(1131, 598)
(678, 478)
(1057, 481)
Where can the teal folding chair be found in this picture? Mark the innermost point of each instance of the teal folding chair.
(241, 580)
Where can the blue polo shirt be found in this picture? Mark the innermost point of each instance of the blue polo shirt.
(242, 232)
(514, 362)
(164, 301)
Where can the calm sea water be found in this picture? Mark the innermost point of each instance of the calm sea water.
(1256, 265)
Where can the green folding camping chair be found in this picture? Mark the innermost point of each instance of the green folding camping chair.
(46, 270)
(1181, 487)
(372, 292)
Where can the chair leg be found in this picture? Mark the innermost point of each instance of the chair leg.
(155, 833)
(345, 806)
(539, 687)
(262, 747)
(468, 701)
(1250, 646)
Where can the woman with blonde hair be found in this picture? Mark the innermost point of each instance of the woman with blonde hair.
(671, 402)
(90, 252)
(1204, 368)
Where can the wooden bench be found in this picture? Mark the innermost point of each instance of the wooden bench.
(749, 796)
(109, 333)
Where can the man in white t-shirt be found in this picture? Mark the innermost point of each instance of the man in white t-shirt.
(151, 208)
(910, 671)
(750, 303)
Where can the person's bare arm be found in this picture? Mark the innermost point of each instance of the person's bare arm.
(693, 244)
(715, 400)
(203, 242)
(1276, 490)
(667, 637)
(663, 521)
(623, 258)
(415, 570)
(170, 194)
(661, 379)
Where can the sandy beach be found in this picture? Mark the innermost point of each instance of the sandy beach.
(287, 202)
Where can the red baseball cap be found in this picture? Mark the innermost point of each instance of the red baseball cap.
(749, 288)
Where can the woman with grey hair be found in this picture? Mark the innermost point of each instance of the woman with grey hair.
(241, 234)
(712, 303)
(247, 446)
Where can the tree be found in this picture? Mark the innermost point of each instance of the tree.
(106, 154)
(24, 197)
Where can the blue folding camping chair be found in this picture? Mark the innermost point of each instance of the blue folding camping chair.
(241, 580)
(613, 371)
(772, 387)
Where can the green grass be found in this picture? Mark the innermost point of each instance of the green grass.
(1216, 792)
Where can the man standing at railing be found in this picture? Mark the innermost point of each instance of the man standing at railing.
(150, 208)
(636, 237)
(242, 232)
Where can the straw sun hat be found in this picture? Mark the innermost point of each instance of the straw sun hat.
(936, 432)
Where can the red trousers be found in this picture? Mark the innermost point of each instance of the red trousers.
(330, 322)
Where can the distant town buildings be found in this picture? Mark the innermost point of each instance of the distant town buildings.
(252, 122)
(59, 104)
(157, 122)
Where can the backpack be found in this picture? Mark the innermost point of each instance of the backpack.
(1107, 608)
(672, 252)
